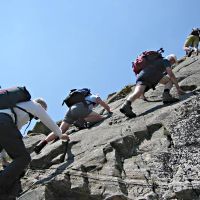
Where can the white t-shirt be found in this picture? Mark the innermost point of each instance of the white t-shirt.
(36, 110)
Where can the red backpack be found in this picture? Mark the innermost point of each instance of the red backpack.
(145, 59)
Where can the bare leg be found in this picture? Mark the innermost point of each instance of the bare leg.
(188, 51)
(94, 117)
(167, 82)
(143, 97)
(139, 90)
(126, 108)
(167, 98)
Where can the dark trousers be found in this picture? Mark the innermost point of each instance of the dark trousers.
(11, 141)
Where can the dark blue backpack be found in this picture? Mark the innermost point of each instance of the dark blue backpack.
(76, 96)
(11, 96)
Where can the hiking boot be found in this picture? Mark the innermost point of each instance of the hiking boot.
(80, 124)
(39, 147)
(127, 110)
(189, 53)
(167, 98)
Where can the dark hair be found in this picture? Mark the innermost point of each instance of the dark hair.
(195, 32)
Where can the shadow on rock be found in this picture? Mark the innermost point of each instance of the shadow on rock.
(65, 165)
(183, 97)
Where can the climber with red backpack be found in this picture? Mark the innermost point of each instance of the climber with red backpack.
(150, 68)
(143, 59)
(80, 103)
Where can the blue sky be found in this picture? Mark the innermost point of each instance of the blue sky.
(51, 46)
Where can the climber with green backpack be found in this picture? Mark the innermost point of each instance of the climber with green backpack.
(151, 68)
(80, 103)
(192, 42)
(16, 109)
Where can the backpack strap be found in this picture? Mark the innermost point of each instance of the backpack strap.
(31, 116)
(15, 116)
(27, 126)
(90, 102)
(11, 107)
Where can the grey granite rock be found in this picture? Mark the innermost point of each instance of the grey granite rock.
(155, 156)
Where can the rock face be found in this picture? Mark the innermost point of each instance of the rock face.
(154, 156)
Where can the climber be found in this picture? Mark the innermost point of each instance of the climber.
(82, 112)
(148, 78)
(11, 141)
(192, 42)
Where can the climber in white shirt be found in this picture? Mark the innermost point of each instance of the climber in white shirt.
(11, 138)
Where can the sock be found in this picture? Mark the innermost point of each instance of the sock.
(44, 142)
(166, 90)
(40, 146)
